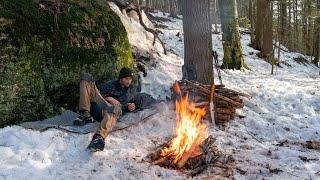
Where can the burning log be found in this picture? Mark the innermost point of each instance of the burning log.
(190, 153)
(161, 160)
(193, 164)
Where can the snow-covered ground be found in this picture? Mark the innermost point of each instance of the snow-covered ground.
(282, 114)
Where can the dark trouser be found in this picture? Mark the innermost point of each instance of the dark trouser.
(89, 93)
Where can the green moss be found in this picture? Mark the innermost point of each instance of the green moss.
(233, 57)
(46, 52)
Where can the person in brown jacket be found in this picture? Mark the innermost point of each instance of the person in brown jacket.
(105, 105)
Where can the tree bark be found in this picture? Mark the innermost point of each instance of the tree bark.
(233, 58)
(148, 4)
(264, 28)
(173, 8)
(215, 16)
(309, 42)
(289, 45)
(136, 2)
(295, 24)
(283, 22)
(251, 18)
(198, 62)
(316, 48)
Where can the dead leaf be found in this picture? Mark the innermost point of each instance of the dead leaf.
(313, 144)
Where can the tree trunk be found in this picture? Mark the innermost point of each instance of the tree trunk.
(296, 33)
(173, 8)
(278, 31)
(309, 43)
(283, 22)
(166, 4)
(198, 62)
(251, 18)
(179, 6)
(233, 58)
(264, 28)
(148, 4)
(289, 44)
(215, 16)
(259, 26)
(135, 2)
(316, 48)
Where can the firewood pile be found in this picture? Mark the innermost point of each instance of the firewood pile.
(226, 100)
(194, 165)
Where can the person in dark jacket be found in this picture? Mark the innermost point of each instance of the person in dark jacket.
(105, 105)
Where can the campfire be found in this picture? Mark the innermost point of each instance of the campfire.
(191, 148)
(190, 133)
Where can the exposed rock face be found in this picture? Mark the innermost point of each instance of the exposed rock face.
(44, 48)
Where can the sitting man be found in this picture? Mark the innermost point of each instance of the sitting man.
(106, 105)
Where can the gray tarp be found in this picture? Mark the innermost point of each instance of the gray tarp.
(65, 122)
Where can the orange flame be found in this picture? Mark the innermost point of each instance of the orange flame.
(190, 132)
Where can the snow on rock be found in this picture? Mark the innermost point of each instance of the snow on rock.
(165, 72)
(282, 114)
(138, 37)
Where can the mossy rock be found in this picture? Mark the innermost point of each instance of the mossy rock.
(46, 45)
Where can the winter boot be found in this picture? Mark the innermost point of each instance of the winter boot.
(97, 143)
(84, 118)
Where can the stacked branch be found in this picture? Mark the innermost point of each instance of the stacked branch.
(226, 100)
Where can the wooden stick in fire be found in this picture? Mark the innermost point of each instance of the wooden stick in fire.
(212, 103)
(177, 90)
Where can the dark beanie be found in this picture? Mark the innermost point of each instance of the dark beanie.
(125, 72)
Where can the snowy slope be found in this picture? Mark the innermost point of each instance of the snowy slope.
(284, 108)
(284, 112)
